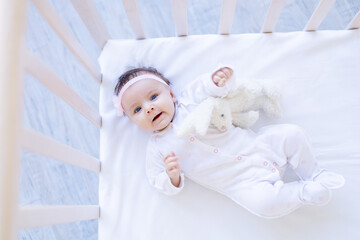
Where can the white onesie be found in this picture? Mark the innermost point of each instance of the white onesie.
(245, 166)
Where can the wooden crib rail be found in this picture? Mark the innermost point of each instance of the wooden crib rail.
(319, 14)
(227, 16)
(55, 21)
(180, 17)
(12, 35)
(272, 16)
(92, 19)
(40, 71)
(38, 216)
(133, 13)
(355, 23)
(12, 39)
(38, 143)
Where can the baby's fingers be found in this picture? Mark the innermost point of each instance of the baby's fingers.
(221, 76)
(171, 166)
(172, 154)
(227, 71)
(170, 158)
(216, 79)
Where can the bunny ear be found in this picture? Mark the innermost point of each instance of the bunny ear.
(204, 113)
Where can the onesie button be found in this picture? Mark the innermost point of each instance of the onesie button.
(275, 164)
(192, 139)
(273, 170)
(265, 163)
(239, 158)
(216, 150)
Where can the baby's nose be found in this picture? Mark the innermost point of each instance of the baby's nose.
(149, 110)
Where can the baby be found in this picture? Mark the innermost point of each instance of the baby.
(243, 165)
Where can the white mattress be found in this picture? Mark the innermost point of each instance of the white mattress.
(319, 75)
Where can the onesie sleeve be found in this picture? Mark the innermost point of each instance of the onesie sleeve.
(203, 87)
(156, 173)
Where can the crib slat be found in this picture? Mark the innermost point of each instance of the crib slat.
(92, 19)
(46, 146)
(65, 34)
(180, 17)
(134, 16)
(40, 71)
(355, 23)
(319, 14)
(12, 40)
(227, 16)
(38, 216)
(272, 15)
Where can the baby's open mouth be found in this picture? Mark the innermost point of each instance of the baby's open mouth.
(157, 116)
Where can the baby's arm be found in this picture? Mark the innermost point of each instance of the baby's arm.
(166, 177)
(214, 84)
(173, 168)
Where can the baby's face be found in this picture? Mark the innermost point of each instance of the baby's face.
(149, 104)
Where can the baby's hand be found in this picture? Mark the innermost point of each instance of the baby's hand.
(221, 76)
(172, 167)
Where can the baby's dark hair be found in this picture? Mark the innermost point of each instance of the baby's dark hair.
(134, 72)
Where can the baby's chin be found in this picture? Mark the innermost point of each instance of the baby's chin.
(162, 126)
(155, 128)
(164, 123)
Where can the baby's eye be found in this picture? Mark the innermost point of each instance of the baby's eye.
(154, 96)
(137, 109)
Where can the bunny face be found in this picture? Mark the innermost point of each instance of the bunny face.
(221, 116)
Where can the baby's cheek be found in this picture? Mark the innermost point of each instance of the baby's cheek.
(139, 122)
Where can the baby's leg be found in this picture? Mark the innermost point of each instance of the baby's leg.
(299, 155)
(298, 152)
(275, 200)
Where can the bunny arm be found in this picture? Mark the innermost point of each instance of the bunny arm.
(244, 119)
(252, 95)
(241, 100)
(271, 90)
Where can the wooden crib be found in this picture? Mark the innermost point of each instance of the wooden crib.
(16, 60)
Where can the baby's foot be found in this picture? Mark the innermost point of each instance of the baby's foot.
(329, 179)
(315, 194)
(221, 76)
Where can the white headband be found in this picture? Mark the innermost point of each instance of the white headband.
(117, 99)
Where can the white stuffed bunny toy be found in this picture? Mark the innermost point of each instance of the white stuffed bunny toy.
(239, 108)
(253, 95)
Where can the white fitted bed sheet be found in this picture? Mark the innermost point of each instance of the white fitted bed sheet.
(319, 76)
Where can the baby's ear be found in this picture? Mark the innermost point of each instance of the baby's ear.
(173, 96)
